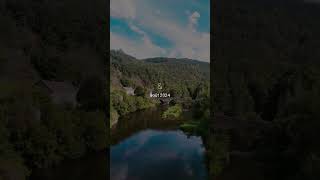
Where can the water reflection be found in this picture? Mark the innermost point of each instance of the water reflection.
(156, 153)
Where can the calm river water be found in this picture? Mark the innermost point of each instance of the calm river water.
(144, 147)
(147, 147)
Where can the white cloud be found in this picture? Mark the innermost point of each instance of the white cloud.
(136, 29)
(187, 41)
(139, 49)
(123, 9)
(145, 38)
(193, 20)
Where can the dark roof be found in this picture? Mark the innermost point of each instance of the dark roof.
(60, 86)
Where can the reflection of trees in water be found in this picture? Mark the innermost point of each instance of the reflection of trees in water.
(141, 120)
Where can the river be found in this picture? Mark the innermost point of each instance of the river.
(147, 147)
(144, 147)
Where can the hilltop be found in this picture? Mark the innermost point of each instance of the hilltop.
(132, 79)
(171, 72)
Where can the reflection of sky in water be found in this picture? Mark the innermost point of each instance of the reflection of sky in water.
(158, 155)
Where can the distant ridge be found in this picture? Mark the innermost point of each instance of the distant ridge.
(147, 72)
(156, 59)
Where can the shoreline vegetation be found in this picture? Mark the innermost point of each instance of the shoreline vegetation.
(133, 80)
(187, 81)
(173, 112)
(123, 104)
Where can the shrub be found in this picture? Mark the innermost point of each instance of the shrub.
(125, 82)
(173, 112)
(140, 91)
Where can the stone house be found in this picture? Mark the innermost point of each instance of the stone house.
(129, 91)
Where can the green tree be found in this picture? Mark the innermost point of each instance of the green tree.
(92, 94)
(140, 91)
(125, 82)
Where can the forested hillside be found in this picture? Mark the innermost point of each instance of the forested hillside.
(267, 83)
(173, 73)
(50, 50)
(182, 78)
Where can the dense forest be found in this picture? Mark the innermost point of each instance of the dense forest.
(265, 76)
(266, 90)
(50, 51)
(185, 80)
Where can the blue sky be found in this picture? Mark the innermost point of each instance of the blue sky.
(167, 28)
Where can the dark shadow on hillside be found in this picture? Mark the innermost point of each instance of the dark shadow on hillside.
(266, 90)
(53, 65)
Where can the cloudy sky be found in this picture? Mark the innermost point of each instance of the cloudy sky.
(167, 28)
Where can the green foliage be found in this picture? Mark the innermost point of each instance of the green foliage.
(268, 73)
(143, 103)
(114, 116)
(29, 141)
(68, 128)
(92, 95)
(126, 82)
(48, 68)
(11, 163)
(49, 40)
(124, 104)
(140, 91)
(39, 147)
(95, 132)
(179, 77)
(218, 153)
(190, 127)
(173, 112)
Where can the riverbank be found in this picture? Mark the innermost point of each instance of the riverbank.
(122, 104)
(171, 153)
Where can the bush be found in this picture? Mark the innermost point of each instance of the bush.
(125, 82)
(124, 104)
(218, 153)
(113, 115)
(11, 162)
(140, 91)
(143, 103)
(92, 95)
(95, 132)
(173, 112)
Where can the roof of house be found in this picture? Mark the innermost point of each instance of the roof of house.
(60, 86)
(129, 90)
